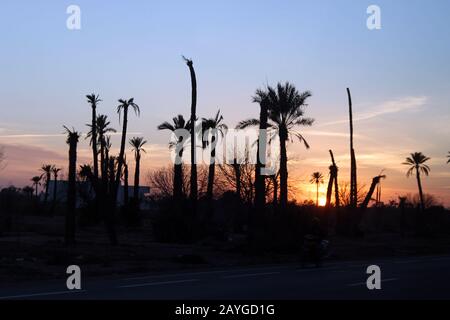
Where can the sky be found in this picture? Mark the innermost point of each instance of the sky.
(399, 77)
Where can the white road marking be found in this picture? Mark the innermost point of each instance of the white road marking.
(364, 283)
(250, 275)
(41, 294)
(157, 283)
(205, 272)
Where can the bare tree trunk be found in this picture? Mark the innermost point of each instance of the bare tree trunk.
(194, 185)
(353, 175)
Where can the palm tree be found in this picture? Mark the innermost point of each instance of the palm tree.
(286, 111)
(55, 172)
(417, 163)
(317, 179)
(36, 183)
(193, 192)
(137, 143)
(46, 174)
(123, 107)
(215, 126)
(448, 156)
(125, 183)
(93, 100)
(102, 130)
(179, 126)
(72, 141)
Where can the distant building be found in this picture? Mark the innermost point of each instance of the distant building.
(86, 192)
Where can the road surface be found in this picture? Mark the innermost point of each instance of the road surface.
(402, 278)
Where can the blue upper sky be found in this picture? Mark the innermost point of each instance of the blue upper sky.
(399, 75)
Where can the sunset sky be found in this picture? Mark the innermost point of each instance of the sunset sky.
(399, 77)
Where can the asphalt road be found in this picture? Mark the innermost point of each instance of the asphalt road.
(402, 278)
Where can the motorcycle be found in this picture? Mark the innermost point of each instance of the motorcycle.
(314, 250)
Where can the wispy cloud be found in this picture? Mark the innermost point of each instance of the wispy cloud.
(388, 107)
(44, 136)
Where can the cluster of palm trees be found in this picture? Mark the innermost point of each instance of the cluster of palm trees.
(281, 113)
(107, 171)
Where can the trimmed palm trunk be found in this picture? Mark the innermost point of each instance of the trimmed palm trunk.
(94, 141)
(211, 171)
(237, 175)
(275, 190)
(122, 149)
(260, 187)
(71, 192)
(178, 178)
(194, 187)
(125, 184)
(137, 172)
(283, 169)
(353, 175)
(48, 177)
(419, 184)
(333, 180)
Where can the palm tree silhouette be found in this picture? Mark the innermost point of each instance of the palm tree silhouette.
(93, 100)
(55, 172)
(317, 179)
(137, 143)
(123, 107)
(46, 170)
(286, 111)
(417, 164)
(194, 188)
(260, 192)
(179, 125)
(72, 140)
(103, 128)
(216, 127)
(36, 183)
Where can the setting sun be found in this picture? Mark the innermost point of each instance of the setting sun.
(322, 202)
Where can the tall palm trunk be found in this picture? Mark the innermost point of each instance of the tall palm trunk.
(125, 184)
(55, 186)
(36, 185)
(94, 141)
(211, 172)
(317, 194)
(71, 194)
(122, 150)
(333, 180)
(47, 185)
(275, 191)
(260, 192)
(419, 184)
(194, 187)
(283, 169)
(103, 164)
(237, 175)
(353, 174)
(178, 178)
(137, 172)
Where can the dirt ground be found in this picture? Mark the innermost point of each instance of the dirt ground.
(37, 251)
